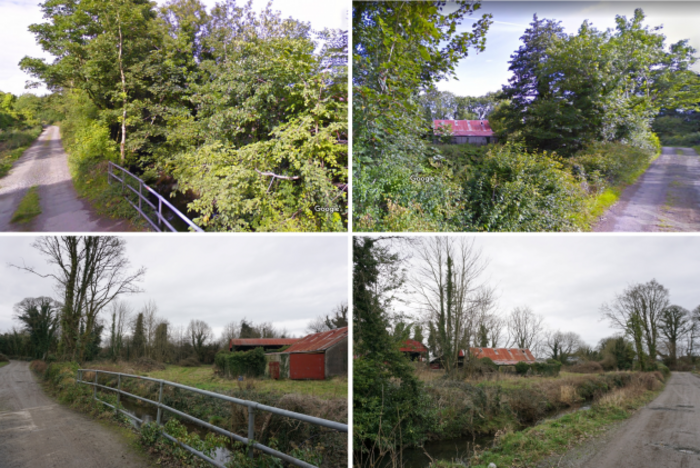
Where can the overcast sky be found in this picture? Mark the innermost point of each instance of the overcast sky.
(286, 280)
(488, 71)
(566, 278)
(17, 41)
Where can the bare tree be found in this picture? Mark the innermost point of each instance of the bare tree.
(337, 319)
(90, 272)
(637, 312)
(199, 334)
(562, 344)
(150, 322)
(525, 329)
(231, 331)
(121, 313)
(674, 325)
(447, 281)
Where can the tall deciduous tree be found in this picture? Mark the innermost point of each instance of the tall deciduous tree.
(199, 333)
(452, 294)
(637, 311)
(525, 329)
(674, 325)
(90, 272)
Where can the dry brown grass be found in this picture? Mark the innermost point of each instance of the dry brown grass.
(38, 366)
(590, 367)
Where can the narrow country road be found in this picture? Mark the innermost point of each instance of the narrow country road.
(665, 199)
(663, 434)
(37, 432)
(45, 165)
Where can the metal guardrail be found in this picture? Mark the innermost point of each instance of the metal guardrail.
(142, 198)
(252, 407)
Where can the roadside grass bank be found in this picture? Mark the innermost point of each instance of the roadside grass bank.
(14, 142)
(319, 446)
(554, 437)
(89, 149)
(28, 208)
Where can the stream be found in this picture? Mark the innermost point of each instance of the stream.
(459, 449)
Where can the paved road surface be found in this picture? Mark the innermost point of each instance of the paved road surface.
(663, 434)
(37, 432)
(45, 164)
(665, 199)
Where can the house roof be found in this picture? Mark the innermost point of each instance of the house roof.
(465, 127)
(319, 341)
(413, 346)
(504, 356)
(262, 342)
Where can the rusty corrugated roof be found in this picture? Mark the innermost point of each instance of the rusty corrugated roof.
(413, 346)
(318, 341)
(504, 356)
(465, 127)
(262, 341)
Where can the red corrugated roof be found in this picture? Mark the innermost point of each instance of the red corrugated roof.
(319, 341)
(413, 346)
(504, 356)
(262, 341)
(465, 127)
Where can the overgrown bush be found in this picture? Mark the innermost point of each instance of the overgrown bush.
(609, 163)
(514, 190)
(249, 363)
(589, 367)
(521, 368)
(4, 358)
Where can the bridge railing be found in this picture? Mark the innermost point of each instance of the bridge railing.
(139, 188)
(251, 405)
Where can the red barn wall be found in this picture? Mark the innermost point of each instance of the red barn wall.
(307, 366)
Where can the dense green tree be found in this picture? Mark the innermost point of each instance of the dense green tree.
(39, 317)
(388, 400)
(138, 338)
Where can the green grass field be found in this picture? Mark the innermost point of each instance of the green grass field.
(204, 378)
(3, 363)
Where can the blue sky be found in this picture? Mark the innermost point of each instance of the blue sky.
(17, 41)
(481, 73)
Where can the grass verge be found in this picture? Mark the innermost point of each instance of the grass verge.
(530, 446)
(28, 208)
(13, 143)
(318, 446)
(3, 363)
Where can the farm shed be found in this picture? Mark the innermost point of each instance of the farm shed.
(317, 356)
(475, 132)
(414, 350)
(499, 356)
(268, 344)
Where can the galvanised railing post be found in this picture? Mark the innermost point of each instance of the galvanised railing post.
(251, 430)
(160, 402)
(109, 173)
(119, 392)
(140, 195)
(160, 211)
(94, 394)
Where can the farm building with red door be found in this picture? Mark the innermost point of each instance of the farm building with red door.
(316, 357)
